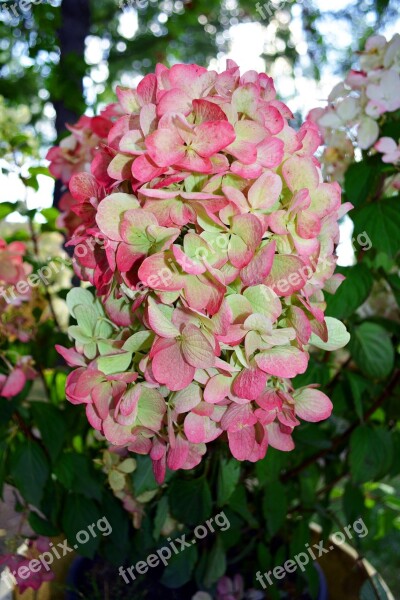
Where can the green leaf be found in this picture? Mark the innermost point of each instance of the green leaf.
(239, 503)
(35, 171)
(75, 472)
(160, 517)
(372, 350)
(190, 500)
(381, 220)
(394, 282)
(270, 468)
(30, 470)
(353, 502)
(228, 477)
(214, 566)
(51, 215)
(80, 512)
(42, 526)
(6, 208)
(354, 290)
(371, 453)
(51, 424)
(3, 458)
(300, 536)
(358, 386)
(361, 180)
(143, 477)
(317, 372)
(116, 545)
(275, 506)
(308, 486)
(180, 568)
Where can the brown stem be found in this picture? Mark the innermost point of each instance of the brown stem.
(33, 237)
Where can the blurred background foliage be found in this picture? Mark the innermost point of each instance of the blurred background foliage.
(43, 57)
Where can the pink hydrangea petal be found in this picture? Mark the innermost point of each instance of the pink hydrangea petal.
(207, 111)
(300, 173)
(196, 349)
(211, 137)
(165, 147)
(273, 119)
(249, 383)
(298, 319)
(264, 193)
(192, 161)
(14, 383)
(71, 357)
(200, 429)
(170, 368)
(237, 417)
(159, 469)
(260, 265)
(312, 405)
(159, 323)
(270, 152)
(288, 275)
(187, 399)
(156, 273)
(83, 186)
(110, 212)
(144, 169)
(282, 361)
(147, 88)
(117, 434)
(178, 454)
(386, 145)
(241, 443)
(279, 439)
(217, 389)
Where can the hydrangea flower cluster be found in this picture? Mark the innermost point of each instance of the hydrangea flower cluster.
(358, 107)
(16, 318)
(209, 236)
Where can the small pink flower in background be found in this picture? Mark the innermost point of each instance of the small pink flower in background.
(231, 589)
(13, 268)
(357, 107)
(76, 152)
(390, 150)
(14, 562)
(13, 383)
